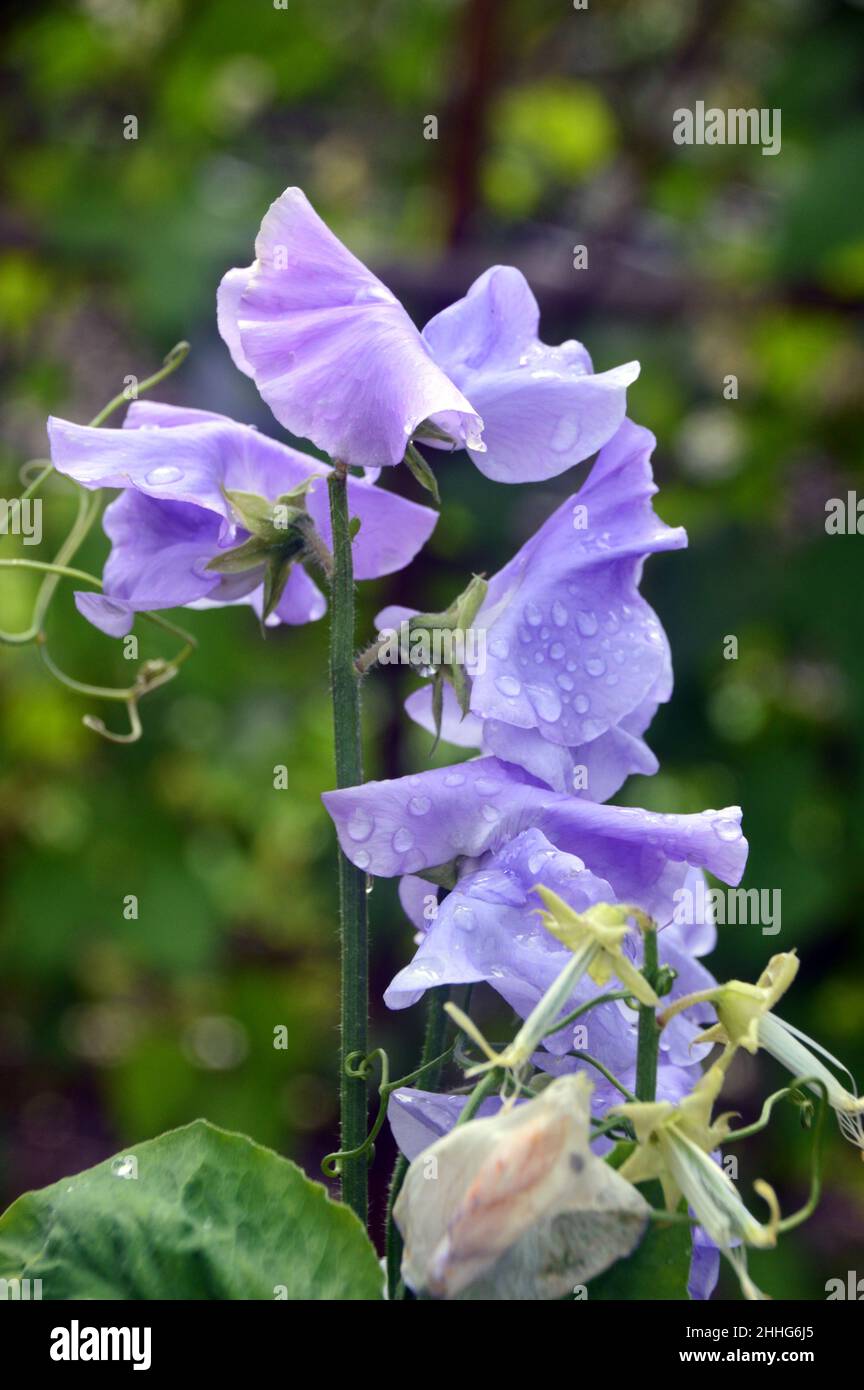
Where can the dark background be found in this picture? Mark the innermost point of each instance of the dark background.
(554, 130)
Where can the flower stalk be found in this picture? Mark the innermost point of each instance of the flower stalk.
(353, 916)
(648, 1038)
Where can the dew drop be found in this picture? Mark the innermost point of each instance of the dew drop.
(509, 686)
(545, 701)
(463, 918)
(362, 859)
(595, 666)
(419, 805)
(532, 614)
(586, 623)
(360, 825)
(565, 434)
(560, 615)
(728, 830)
(582, 704)
(166, 473)
(454, 779)
(402, 840)
(500, 647)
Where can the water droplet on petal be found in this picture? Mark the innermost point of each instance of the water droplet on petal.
(487, 786)
(463, 918)
(490, 814)
(595, 666)
(556, 651)
(419, 805)
(728, 830)
(533, 616)
(454, 779)
(582, 704)
(509, 686)
(560, 615)
(362, 859)
(565, 434)
(402, 840)
(125, 1167)
(545, 701)
(586, 623)
(500, 647)
(360, 825)
(166, 473)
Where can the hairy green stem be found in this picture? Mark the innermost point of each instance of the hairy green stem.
(345, 694)
(649, 1032)
(433, 1051)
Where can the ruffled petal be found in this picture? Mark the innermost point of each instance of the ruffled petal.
(433, 818)
(178, 464)
(392, 529)
(487, 928)
(544, 409)
(331, 350)
(159, 553)
(572, 647)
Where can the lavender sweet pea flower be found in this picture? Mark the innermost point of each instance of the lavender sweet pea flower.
(172, 517)
(544, 409)
(330, 348)
(338, 360)
(498, 833)
(575, 662)
(433, 818)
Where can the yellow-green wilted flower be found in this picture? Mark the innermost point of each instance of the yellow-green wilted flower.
(598, 934)
(746, 1018)
(675, 1143)
(594, 938)
(517, 1206)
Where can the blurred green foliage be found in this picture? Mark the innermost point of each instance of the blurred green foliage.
(554, 131)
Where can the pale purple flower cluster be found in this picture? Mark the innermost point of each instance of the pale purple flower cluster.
(339, 362)
(576, 662)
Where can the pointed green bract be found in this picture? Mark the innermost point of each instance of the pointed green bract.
(198, 1213)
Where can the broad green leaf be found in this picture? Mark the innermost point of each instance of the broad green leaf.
(210, 1215)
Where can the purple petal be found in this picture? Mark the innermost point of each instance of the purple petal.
(418, 1118)
(417, 897)
(543, 408)
(186, 464)
(231, 289)
(487, 928)
(159, 553)
(572, 648)
(463, 731)
(429, 819)
(705, 1260)
(331, 350)
(392, 529)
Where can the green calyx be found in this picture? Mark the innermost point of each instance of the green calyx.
(280, 533)
(448, 631)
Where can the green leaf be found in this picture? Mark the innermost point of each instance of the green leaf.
(210, 1215)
